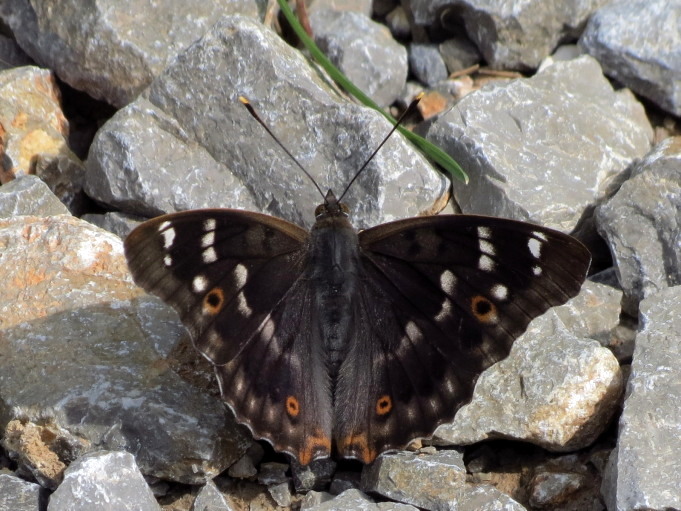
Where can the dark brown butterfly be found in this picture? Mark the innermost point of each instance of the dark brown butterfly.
(330, 341)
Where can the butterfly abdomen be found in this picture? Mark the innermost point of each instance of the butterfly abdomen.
(334, 250)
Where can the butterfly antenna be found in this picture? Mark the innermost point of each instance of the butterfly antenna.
(252, 111)
(408, 111)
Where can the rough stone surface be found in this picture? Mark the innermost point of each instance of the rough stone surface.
(513, 35)
(82, 356)
(105, 481)
(458, 53)
(11, 55)
(356, 500)
(189, 142)
(29, 195)
(360, 6)
(545, 148)
(644, 470)
(593, 313)
(118, 223)
(112, 49)
(363, 50)
(426, 63)
(648, 65)
(434, 482)
(19, 495)
(554, 390)
(642, 223)
(209, 498)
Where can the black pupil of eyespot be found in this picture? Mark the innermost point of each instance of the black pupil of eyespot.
(213, 299)
(483, 307)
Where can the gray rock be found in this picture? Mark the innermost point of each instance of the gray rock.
(513, 35)
(189, 143)
(638, 42)
(458, 53)
(281, 494)
(105, 481)
(642, 223)
(563, 482)
(107, 48)
(357, 501)
(209, 498)
(426, 63)
(435, 482)
(11, 55)
(359, 6)
(554, 390)
(19, 495)
(314, 476)
(119, 224)
(29, 195)
(363, 50)
(644, 470)
(73, 317)
(545, 148)
(246, 466)
(593, 313)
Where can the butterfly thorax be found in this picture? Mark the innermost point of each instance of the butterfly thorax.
(333, 269)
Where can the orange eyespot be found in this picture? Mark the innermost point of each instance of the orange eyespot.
(292, 406)
(483, 310)
(384, 404)
(213, 301)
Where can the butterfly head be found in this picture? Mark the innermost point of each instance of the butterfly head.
(332, 207)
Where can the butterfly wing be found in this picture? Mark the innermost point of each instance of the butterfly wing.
(234, 277)
(441, 299)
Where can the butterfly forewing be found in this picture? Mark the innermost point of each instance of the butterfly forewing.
(233, 277)
(442, 299)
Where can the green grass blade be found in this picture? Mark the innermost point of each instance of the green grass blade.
(430, 150)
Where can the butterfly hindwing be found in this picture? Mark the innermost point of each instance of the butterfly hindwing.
(442, 299)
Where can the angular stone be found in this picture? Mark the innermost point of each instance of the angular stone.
(209, 498)
(359, 6)
(542, 149)
(458, 53)
(105, 481)
(11, 55)
(363, 50)
(434, 482)
(108, 49)
(83, 357)
(357, 501)
(29, 195)
(119, 224)
(512, 35)
(426, 63)
(642, 223)
(19, 495)
(644, 470)
(190, 143)
(650, 66)
(554, 390)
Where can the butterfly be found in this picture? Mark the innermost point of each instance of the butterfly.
(333, 342)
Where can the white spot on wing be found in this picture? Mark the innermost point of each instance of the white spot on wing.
(240, 275)
(242, 305)
(209, 255)
(445, 312)
(447, 282)
(537, 270)
(208, 239)
(486, 247)
(484, 233)
(199, 284)
(486, 263)
(167, 260)
(535, 247)
(500, 292)
(413, 331)
(209, 224)
(163, 226)
(168, 236)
